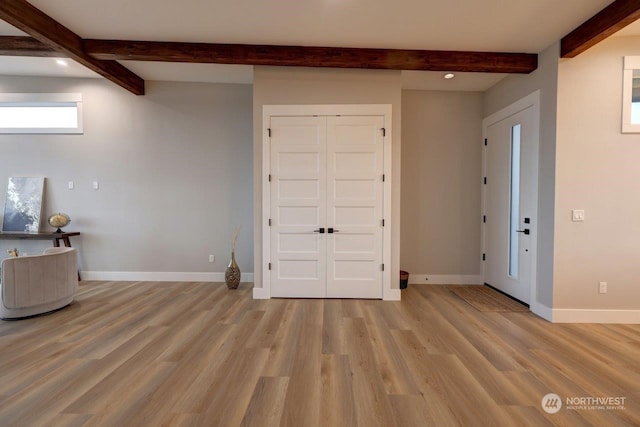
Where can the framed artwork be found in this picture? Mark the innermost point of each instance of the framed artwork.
(23, 204)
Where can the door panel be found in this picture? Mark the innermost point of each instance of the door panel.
(355, 270)
(298, 216)
(354, 243)
(510, 204)
(354, 189)
(356, 160)
(354, 206)
(298, 166)
(354, 216)
(298, 189)
(301, 269)
(291, 243)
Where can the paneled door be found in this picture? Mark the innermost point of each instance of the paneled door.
(354, 206)
(298, 212)
(326, 206)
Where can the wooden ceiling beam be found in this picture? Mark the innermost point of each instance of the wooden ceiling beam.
(608, 21)
(306, 56)
(45, 29)
(25, 46)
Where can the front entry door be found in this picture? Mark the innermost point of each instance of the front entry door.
(326, 206)
(510, 203)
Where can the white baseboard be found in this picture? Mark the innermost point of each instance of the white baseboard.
(541, 310)
(158, 276)
(568, 315)
(440, 279)
(391, 295)
(260, 293)
(562, 315)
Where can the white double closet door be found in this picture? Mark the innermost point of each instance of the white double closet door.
(326, 206)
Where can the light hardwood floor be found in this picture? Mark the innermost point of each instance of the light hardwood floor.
(152, 354)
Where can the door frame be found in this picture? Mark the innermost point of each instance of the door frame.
(269, 111)
(532, 100)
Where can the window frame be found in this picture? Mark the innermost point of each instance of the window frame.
(43, 100)
(631, 63)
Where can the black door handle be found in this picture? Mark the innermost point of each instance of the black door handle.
(319, 230)
(332, 230)
(525, 231)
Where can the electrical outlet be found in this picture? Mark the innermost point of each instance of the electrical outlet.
(577, 215)
(603, 287)
(212, 258)
(71, 185)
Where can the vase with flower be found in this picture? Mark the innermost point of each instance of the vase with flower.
(232, 273)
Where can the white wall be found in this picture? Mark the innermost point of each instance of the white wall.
(505, 93)
(290, 86)
(441, 174)
(174, 167)
(596, 170)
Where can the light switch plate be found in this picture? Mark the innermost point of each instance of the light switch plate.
(577, 215)
(70, 185)
(95, 185)
(603, 287)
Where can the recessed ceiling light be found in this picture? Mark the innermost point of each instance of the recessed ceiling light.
(61, 62)
(449, 76)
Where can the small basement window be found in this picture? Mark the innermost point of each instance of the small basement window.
(40, 113)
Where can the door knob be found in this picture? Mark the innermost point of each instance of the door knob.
(319, 230)
(525, 231)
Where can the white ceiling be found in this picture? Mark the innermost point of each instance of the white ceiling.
(480, 25)
(494, 25)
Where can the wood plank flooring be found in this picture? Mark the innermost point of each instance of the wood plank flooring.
(197, 354)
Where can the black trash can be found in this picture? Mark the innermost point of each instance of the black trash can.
(404, 279)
